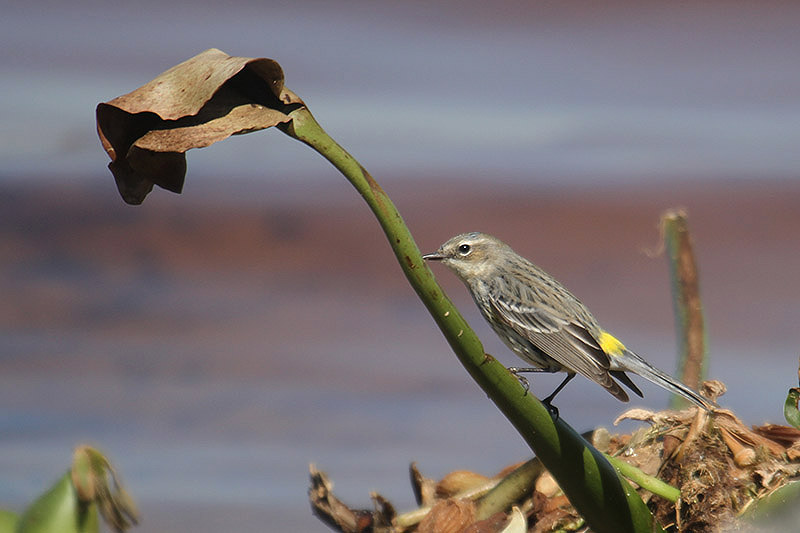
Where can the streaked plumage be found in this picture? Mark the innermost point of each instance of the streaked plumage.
(542, 322)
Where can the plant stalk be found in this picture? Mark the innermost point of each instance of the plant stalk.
(606, 501)
(688, 308)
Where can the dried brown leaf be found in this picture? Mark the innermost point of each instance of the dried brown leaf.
(713, 389)
(192, 105)
(333, 511)
(448, 516)
(786, 435)
(743, 455)
(496, 523)
(726, 419)
(793, 452)
(643, 415)
(424, 488)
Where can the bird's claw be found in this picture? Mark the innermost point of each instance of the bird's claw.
(552, 409)
(522, 379)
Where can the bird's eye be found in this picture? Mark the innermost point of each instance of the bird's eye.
(464, 249)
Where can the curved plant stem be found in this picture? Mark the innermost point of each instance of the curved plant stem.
(606, 501)
(510, 489)
(653, 484)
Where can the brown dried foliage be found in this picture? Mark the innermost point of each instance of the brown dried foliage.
(720, 466)
(194, 104)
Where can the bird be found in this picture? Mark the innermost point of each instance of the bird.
(543, 323)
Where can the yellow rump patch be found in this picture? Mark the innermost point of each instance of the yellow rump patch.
(610, 344)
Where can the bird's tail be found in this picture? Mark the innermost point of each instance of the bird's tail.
(629, 361)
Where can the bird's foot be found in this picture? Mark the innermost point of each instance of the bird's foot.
(522, 379)
(552, 409)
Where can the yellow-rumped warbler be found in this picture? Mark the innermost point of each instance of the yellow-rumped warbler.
(543, 323)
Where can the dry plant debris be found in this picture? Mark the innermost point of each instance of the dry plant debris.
(720, 466)
(194, 104)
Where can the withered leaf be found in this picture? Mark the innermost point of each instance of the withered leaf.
(192, 105)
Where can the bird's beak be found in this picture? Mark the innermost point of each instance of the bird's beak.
(435, 256)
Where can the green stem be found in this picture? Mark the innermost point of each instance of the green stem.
(607, 502)
(510, 489)
(653, 484)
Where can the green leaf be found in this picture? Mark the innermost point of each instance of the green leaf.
(8, 521)
(96, 481)
(60, 510)
(790, 409)
(778, 508)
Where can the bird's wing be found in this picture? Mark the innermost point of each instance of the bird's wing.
(566, 341)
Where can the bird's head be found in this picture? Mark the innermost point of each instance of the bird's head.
(470, 255)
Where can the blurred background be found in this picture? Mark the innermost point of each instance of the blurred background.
(217, 342)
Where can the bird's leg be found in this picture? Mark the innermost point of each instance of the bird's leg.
(548, 402)
(516, 370)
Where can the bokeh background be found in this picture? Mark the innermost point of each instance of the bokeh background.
(216, 342)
